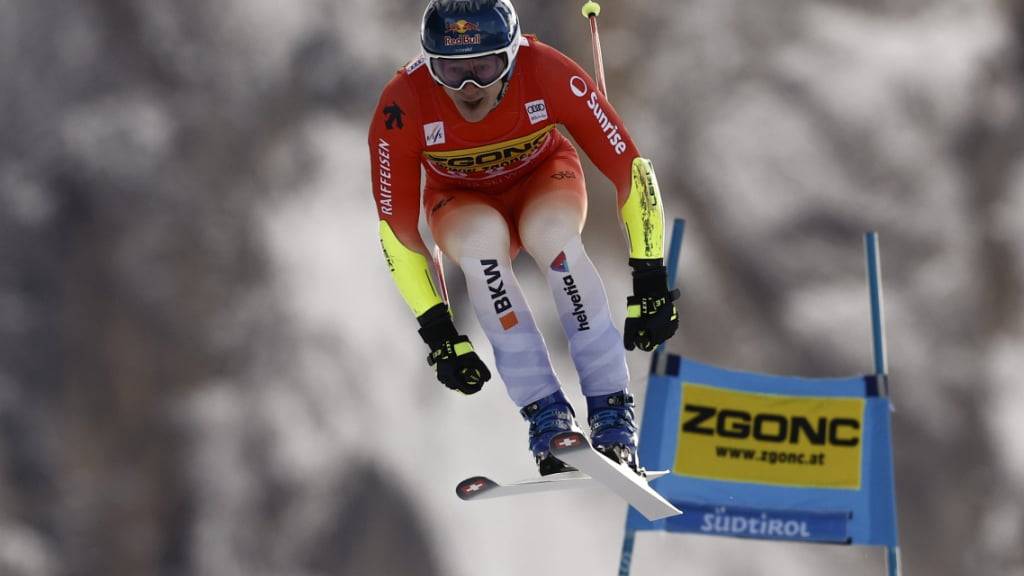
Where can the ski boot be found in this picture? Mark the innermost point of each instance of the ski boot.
(613, 428)
(547, 417)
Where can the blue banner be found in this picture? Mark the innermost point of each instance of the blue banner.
(769, 457)
(761, 524)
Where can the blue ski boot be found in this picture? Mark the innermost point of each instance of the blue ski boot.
(613, 427)
(547, 417)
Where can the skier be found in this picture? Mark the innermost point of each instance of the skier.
(478, 109)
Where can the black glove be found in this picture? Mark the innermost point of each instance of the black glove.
(651, 318)
(452, 356)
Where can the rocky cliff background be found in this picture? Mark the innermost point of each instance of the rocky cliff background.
(205, 368)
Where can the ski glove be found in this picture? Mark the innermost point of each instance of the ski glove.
(651, 316)
(456, 364)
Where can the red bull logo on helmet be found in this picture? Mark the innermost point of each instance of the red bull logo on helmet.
(463, 26)
(458, 33)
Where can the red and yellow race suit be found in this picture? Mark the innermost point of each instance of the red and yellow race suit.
(417, 125)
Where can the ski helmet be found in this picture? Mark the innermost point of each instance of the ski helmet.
(470, 41)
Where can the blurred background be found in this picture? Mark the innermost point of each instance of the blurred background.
(205, 368)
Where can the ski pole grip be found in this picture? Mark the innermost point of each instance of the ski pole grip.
(591, 8)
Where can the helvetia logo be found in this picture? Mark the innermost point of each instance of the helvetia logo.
(578, 310)
(559, 264)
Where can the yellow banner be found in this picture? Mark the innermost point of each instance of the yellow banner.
(770, 439)
(490, 157)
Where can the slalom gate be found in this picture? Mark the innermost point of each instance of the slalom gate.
(772, 457)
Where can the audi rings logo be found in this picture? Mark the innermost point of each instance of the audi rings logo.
(578, 86)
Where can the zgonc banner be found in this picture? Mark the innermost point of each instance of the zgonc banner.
(769, 457)
(769, 438)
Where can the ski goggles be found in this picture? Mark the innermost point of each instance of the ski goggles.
(483, 71)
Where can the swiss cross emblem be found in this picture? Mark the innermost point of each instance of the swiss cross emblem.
(568, 441)
(474, 487)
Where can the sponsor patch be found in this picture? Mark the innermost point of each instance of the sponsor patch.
(441, 204)
(462, 26)
(457, 33)
(434, 133)
(499, 297)
(578, 86)
(471, 40)
(609, 128)
(415, 64)
(393, 116)
(579, 311)
(384, 176)
(559, 264)
(509, 321)
(537, 111)
(491, 160)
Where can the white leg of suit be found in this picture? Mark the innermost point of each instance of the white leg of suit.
(550, 232)
(477, 237)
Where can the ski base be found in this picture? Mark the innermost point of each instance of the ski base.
(484, 488)
(574, 449)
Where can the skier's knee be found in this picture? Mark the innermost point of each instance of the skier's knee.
(473, 231)
(546, 233)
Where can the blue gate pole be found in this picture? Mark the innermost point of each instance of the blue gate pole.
(892, 561)
(892, 553)
(674, 248)
(626, 557)
(875, 287)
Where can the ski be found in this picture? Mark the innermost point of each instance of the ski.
(483, 488)
(574, 449)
